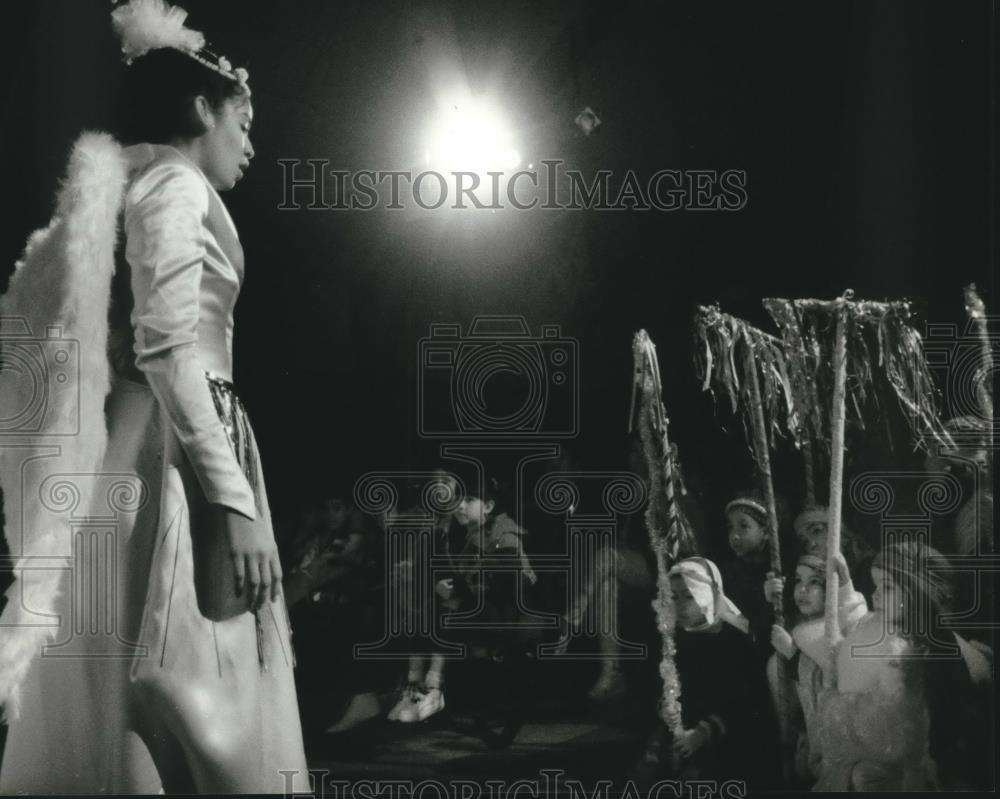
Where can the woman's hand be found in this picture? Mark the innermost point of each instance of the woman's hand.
(782, 641)
(690, 741)
(255, 557)
(773, 588)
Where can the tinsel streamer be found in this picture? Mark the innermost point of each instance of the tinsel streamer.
(719, 335)
(804, 414)
(233, 416)
(976, 310)
(667, 532)
(881, 350)
(871, 342)
(901, 353)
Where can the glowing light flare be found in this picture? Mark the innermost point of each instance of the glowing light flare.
(471, 137)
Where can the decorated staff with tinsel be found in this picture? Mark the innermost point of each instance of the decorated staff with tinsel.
(893, 699)
(669, 535)
(719, 730)
(748, 366)
(873, 351)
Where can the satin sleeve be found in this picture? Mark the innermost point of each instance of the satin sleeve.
(165, 211)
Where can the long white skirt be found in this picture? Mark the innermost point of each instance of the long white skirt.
(180, 689)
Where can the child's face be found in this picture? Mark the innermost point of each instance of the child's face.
(472, 511)
(336, 513)
(810, 591)
(813, 539)
(689, 614)
(746, 536)
(888, 598)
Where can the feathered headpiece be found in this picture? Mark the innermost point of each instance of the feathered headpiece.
(145, 25)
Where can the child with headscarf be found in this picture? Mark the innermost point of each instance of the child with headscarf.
(730, 729)
(806, 647)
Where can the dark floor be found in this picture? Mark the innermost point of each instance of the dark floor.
(586, 749)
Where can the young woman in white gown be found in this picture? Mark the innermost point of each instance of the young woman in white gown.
(206, 701)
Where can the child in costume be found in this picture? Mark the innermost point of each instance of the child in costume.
(747, 531)
(909, 708)
(806, 645)
(730, 729)
(810, 528)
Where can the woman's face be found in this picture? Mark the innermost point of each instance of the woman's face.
(689, 613)
(888, 598)
(226, 148)
(746, 536)
(810, 591)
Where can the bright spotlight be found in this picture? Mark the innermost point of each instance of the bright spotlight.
(471, 137)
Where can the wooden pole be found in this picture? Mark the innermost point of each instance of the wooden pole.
(764, 461)
(807, 459)
(836, 474)
(862, 307)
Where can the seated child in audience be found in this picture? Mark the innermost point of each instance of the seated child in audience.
(333, 550)
(491, 537)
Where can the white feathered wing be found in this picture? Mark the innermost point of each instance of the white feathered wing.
(62, 282)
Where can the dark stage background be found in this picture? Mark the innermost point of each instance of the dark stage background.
(867, 131)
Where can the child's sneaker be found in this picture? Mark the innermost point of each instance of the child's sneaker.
(430, 703)
(407, 699)
(426, 702)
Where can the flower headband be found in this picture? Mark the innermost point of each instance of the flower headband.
(144, 25)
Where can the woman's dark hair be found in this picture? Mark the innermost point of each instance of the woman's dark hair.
(158, 92)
